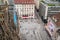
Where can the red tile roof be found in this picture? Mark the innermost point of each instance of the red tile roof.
(57, 16)
(24, 1)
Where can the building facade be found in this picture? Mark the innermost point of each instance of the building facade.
(25, 8)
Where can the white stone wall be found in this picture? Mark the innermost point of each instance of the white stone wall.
(25, 9)
(37, 3)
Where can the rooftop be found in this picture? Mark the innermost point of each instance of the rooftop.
(24, 1)
(1, 2)
(57, 17)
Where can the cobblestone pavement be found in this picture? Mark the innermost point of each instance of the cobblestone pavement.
(33, 29)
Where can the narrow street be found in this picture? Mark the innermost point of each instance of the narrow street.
(43, 32)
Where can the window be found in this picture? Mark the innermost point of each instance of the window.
(27, 9)
(32, 7)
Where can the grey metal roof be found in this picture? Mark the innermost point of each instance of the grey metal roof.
(1, 2)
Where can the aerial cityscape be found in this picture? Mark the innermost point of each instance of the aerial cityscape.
(29, 19)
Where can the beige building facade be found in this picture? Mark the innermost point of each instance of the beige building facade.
(25, 8)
